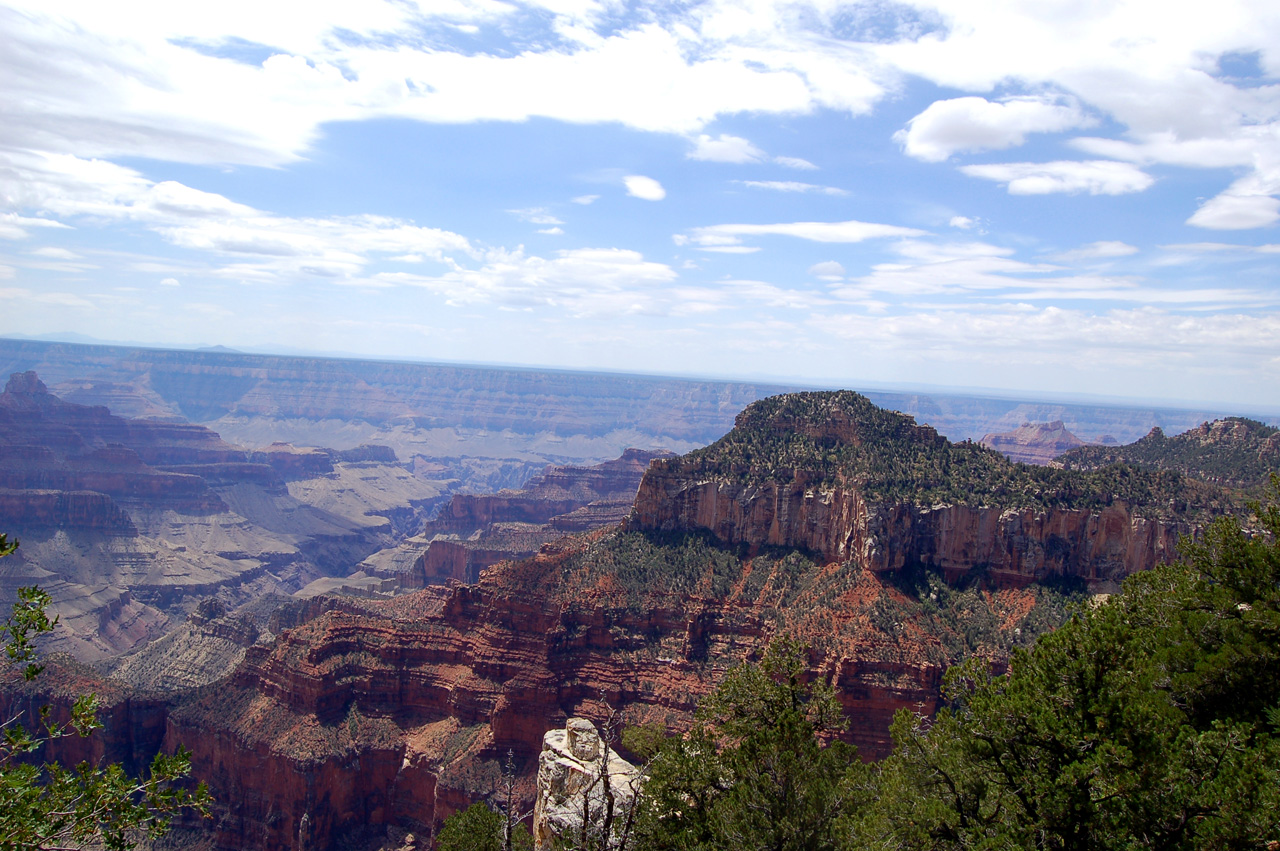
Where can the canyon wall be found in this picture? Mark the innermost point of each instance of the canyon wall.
(400, 712)
(1009, 546)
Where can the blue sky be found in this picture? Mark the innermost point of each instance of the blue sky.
(1029, 197)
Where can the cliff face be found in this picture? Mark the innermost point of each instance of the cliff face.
(400, 712)
(560, 489)
(1009, 546)
(836, 476)
(363, 714)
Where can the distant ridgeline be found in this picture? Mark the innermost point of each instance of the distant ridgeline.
(841, 439)
(1234, 452)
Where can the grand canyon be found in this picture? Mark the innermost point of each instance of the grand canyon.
(351, 589)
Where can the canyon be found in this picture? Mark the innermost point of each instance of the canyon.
(130, 523)
(819, 515)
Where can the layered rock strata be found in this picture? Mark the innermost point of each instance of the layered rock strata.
(473, 532)
(805, 471)
(1008, 546)
(129, 523)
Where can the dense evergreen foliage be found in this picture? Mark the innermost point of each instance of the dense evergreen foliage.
(1149, 720)
(1235, 452)
(478, 828)
(825, 438)
(754, 772)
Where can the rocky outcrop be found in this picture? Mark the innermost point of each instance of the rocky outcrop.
(559, 490)
(371, 714)
(1007, 546)
(1033, 443)
(398, 712)
(293, 462)
(836, 476)
(60, 509)
(586, 791)
(244, 389)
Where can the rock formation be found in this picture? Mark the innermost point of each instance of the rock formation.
(585, 790)
(866, 490)
(474, 531)
(1033, 443)
(445, 412)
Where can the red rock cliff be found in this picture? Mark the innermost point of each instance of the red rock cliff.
(1013, 546)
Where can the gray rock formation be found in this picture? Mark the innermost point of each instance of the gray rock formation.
(582, 782)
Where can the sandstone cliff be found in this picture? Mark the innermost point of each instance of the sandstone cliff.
(474, 531)
(397, 713)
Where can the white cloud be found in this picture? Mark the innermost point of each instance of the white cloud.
(582, 282)
(556, 231)
(1165, 147)
(793, 186)
(977, 124)
(55, 253)
(284, 247)
(645, 188)
(1164, 89)
(14, 226)
(1233, 211)
(725, 149)
(1198, 247)
(982, 271)
(144, 83)
(536, 216)
(170, 282)
(1101, 250)
(1150, 340)
(585, 199)
(828, 270)
(1097, 177)
(851, 231)
(962, 222)
(148, 82)
(795, 162)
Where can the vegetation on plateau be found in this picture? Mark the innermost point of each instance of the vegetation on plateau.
(841, 438)
(1233, 452)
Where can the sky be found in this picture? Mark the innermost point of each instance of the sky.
(1054, 197)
